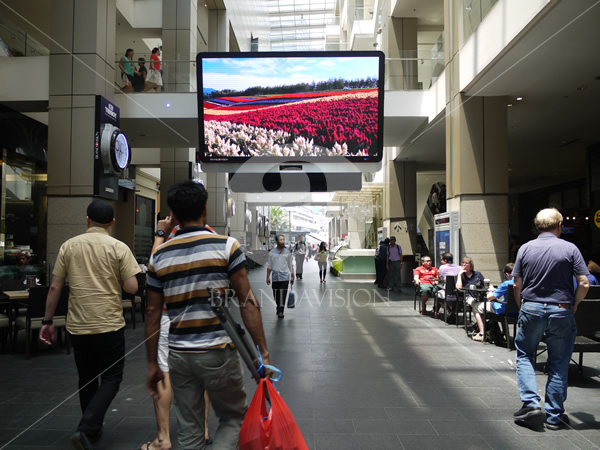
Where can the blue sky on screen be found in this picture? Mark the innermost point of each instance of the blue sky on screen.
(242, 73)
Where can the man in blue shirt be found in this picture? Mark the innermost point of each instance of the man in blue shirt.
(543, 288)
(500, 292)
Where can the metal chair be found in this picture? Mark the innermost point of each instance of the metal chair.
(450, 296)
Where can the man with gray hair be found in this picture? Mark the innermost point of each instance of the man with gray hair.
(543, 288)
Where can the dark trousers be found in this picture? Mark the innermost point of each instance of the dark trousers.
(100, 359)
(280, 292)
(380, 271)
(299, 264)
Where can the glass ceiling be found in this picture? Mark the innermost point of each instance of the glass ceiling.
(299, 24)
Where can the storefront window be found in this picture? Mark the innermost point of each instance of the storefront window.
(23, 204)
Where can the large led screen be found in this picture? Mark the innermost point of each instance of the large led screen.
(297, 106)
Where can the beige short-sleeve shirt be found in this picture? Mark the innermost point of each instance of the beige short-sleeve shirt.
(96, 265)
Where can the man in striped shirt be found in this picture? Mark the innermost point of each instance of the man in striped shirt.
(201, 354)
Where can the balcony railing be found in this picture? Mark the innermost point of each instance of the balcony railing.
(412, 71)
(15, 42)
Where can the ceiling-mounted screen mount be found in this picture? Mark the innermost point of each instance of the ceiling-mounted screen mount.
(290, 108)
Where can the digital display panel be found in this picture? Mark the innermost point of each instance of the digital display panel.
(293, 106)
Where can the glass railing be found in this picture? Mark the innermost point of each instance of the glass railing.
(474, 11)
(412, 71)
(173, 76)
(14, 42)
(364, 12)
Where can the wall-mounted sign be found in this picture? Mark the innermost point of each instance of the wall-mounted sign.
(112, 154)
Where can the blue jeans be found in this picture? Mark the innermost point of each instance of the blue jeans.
(558, 324)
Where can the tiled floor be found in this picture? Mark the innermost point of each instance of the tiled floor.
(360, 372)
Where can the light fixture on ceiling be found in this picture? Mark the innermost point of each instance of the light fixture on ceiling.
(519, 99)
(509, 105)
(582, 88)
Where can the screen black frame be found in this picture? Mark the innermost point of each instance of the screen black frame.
(229, 160)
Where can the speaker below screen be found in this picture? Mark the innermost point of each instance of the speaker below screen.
(295, 182)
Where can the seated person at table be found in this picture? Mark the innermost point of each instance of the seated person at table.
(592, 279)
(426, 277)
(447, 268)
(466, 278)
(494, 296)
(24, 266)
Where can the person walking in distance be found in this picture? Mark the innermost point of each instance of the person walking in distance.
(98, 267)
(394, 265)
(201, 354)
(281, 266)
(543, 287)
(321, 257)
(300, 254)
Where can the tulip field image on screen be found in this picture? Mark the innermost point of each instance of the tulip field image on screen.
(292, 107)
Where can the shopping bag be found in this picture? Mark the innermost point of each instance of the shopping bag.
(270, 429)
(291, 303)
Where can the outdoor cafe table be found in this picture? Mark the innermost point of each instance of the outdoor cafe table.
(480, 294)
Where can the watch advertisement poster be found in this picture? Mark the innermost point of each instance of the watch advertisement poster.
(112, 154)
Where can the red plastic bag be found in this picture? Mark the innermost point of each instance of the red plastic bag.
(270, 430)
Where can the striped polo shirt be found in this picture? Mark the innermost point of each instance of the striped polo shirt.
(183, 269)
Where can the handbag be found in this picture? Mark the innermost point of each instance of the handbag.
(291, 303)
(272, 429)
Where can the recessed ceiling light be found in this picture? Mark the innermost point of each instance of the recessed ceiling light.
(519, 98)
(168, 105)
(582, 88)
(509, 105)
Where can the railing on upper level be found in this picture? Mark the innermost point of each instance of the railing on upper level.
(412, 71)
(473, 14)
(15, 42)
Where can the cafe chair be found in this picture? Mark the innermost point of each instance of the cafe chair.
(13, 285)
(451, 295)
(5, 330)
(36, 309)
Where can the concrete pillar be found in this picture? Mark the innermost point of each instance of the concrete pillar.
(356, 232)
(476, 161)
(218, 30)
(82, 52)
(174, 167)
(180, 45)
(237, 222)
(401, 42)
(400, 204)
(477, 179)
(216, 185)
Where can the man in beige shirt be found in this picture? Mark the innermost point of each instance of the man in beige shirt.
(98, 267)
